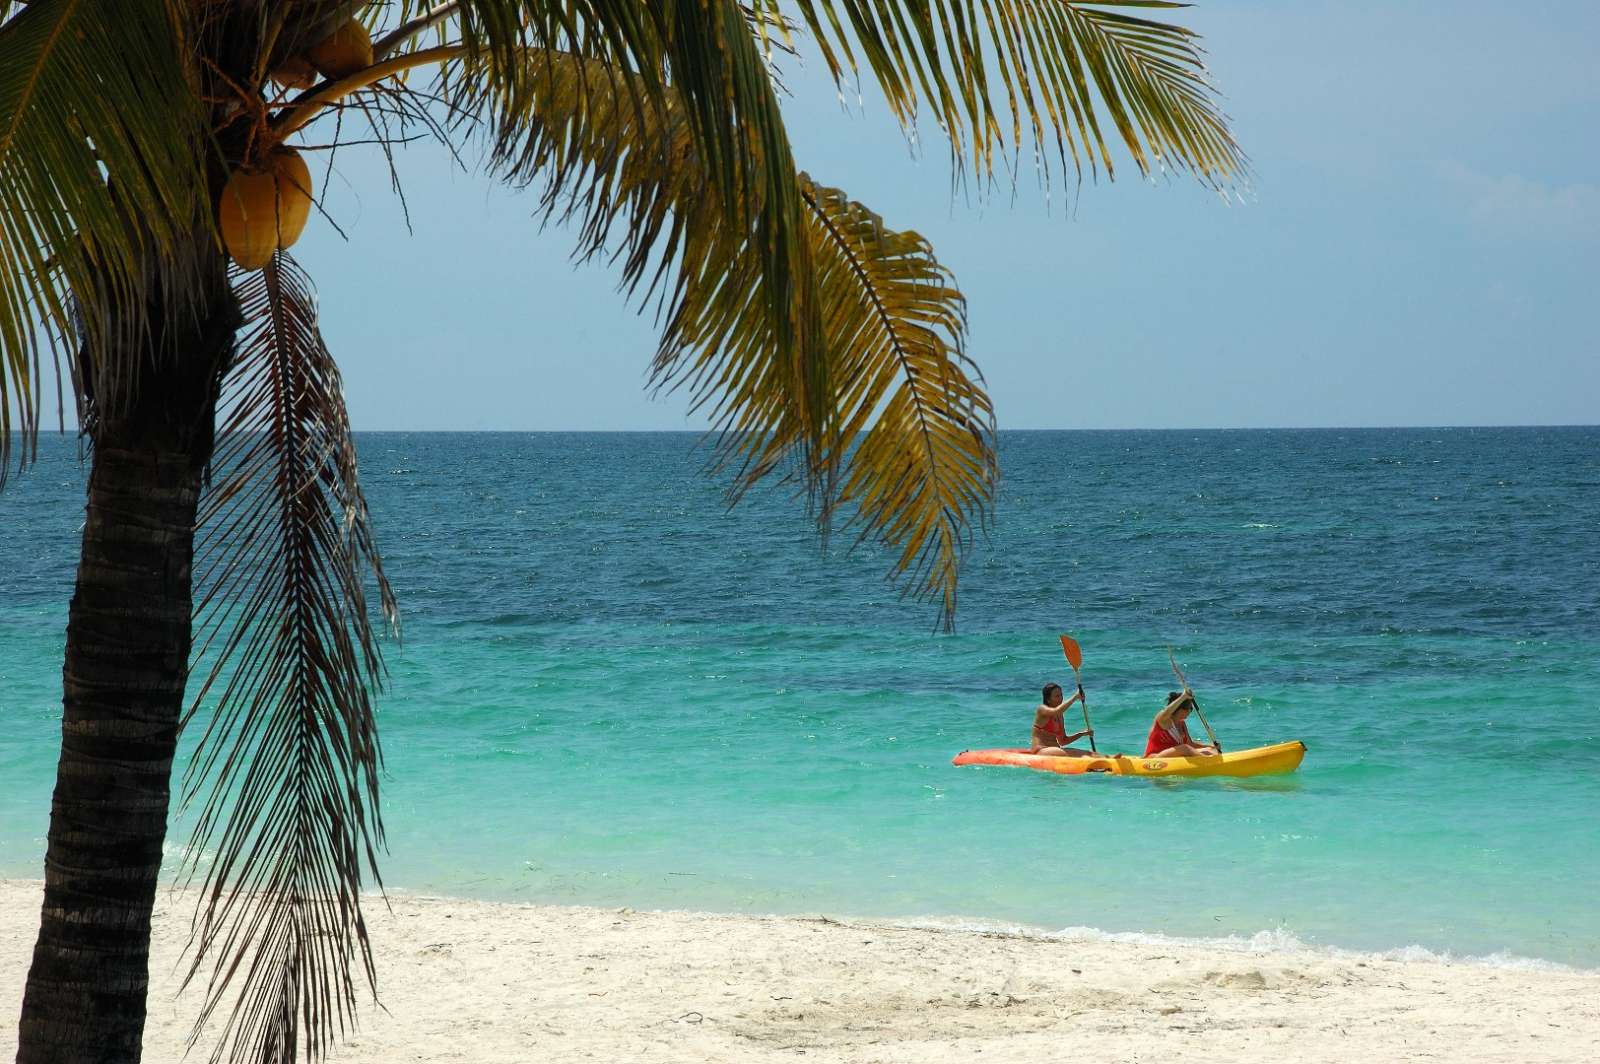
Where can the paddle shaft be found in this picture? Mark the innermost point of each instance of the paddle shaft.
(1193, 701)
(1074, 655)
(1084, 703)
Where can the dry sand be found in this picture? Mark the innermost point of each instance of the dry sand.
(483, 982)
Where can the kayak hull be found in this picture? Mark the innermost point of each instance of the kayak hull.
(1260, 761)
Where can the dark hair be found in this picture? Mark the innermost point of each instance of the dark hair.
(1173, 695)
(1050, 687)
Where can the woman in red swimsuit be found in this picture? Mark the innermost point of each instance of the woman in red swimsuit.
(1169, 735)
(1050, 730)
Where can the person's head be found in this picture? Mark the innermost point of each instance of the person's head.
(1183, 710)
(1052, 694)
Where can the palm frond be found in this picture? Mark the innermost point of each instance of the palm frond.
(100, 182)
(710, 56)
(909, 447)
(715, 61)
(997, 75)
(914, 449)
(286, 772)
(917, 427)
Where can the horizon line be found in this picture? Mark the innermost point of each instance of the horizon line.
(1028, 428)
(61, 431)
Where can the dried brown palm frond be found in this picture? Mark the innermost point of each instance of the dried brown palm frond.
(824, 345)
(285, 777)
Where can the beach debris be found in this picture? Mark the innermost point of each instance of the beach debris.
(692, 1017)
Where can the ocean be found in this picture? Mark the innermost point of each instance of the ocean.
(614, 690)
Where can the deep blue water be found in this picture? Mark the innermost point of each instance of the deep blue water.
(612, 689)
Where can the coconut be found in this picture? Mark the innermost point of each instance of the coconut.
(294, 72)
(294, 195)
(265, 208)
(348, 50)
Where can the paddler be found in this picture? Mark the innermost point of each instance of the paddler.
(1050, 729)
(1169, 735)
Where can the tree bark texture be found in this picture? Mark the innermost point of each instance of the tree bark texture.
(127, 662)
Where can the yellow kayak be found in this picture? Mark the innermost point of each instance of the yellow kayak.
(1261, 761)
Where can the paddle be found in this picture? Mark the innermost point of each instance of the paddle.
(1074, 653)
(1184, 683)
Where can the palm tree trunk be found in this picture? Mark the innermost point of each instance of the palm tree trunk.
(126, 666)
(127, 661)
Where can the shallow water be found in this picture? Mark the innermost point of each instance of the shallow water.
(613, 690)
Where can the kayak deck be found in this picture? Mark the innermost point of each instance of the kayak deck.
(1260, 761)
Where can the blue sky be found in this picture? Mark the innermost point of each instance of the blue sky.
(1419, 246)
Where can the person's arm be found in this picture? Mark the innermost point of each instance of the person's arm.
(1164, 718)
(1080, 735)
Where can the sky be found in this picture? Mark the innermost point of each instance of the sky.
(1418, 245)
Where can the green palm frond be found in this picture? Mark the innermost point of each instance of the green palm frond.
(100, 181)
(913, 454)
(918, 428)
(998, 73)
(909, 449)
(715, 60)
(708, 56)
(288, 763)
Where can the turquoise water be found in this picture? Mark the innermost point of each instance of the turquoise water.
(613, 690)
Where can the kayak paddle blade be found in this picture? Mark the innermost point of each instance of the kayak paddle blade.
(1074, 653)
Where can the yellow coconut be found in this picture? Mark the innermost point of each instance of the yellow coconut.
(294, 72)
(348, 50)
(294, 195)
(265, 208)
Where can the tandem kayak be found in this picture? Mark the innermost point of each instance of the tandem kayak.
(1261, 761)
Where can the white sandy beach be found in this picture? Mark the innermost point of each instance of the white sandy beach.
(484, 982)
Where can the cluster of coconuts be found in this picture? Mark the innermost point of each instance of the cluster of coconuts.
(266, 202)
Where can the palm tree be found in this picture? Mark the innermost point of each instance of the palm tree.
(826, 348)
